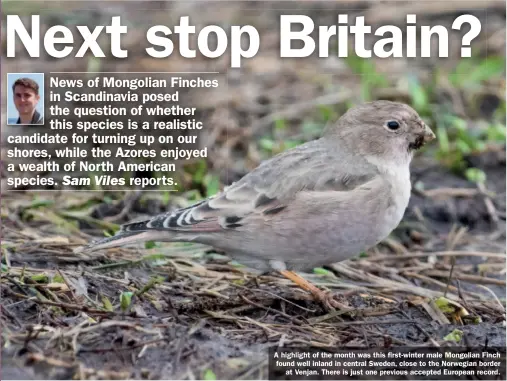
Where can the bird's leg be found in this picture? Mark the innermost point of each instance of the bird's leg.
(326, 298)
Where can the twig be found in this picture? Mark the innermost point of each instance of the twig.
(10, 315)
(62, 305)
(375, 311)
(469, 278)
(453, 261)
(380, 258)
(68, 285)
(452, 192)
(16, 283)
(435, 313)
(454, 237)
(376, 322)
(429, 280)
(395, 245)
(494, 296)
(110, 323)
(130, 347)
(489, 204)
(282, 340)
(275, 296)
(269, 309)
(378, 282)
(421, 329)
(38, 357)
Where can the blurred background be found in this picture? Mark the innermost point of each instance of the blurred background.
(267, 106)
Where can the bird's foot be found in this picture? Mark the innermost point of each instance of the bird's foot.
(252, 282)
(325, 298)
(255, 279)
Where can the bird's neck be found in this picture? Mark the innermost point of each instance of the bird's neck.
(397, 174)
(397, 170)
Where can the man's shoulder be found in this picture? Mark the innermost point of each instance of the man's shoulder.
(38, 118)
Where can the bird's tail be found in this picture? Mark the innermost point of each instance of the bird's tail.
(136, 232)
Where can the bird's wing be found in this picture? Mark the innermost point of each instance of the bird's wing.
(267, 190)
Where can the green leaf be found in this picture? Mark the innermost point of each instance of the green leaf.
(480, 146)
(151, 283)
(456, 336)
(322, 271)
(475, 175)
(418, 95)
(212, 184)
(154, 259)
(443, 305)
(267, 144)
(280, 124)
(197, 169)
(38, 203)
(40, 278)
(209, 375)
(496, 132)
(58, 279)
(125, 299)
(107, 304)
(459, 124)
(469, 73)
(149, 245)
(489, 68)
(463, 146)
(443, 139)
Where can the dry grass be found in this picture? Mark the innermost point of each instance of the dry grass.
(62, 313)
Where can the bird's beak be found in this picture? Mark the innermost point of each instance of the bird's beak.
(428, 134)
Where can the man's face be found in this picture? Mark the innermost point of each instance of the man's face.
(25, 99)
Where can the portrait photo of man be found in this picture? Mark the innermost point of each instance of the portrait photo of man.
(26, 103)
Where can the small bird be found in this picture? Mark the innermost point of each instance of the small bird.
(321, 202)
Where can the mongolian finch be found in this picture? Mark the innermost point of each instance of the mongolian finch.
(321, 202)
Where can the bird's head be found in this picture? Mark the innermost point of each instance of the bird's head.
(385, 129)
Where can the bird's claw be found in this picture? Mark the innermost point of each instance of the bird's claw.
(329, 302)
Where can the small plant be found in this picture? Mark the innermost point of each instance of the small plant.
(419, 96)
(209, 375)
(370, 78)
(470, 74)
(456, 139)
(475, 175)
(125, 300)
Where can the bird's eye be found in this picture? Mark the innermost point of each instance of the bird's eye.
(393, 125)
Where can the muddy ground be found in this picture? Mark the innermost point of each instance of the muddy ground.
(195, 314)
